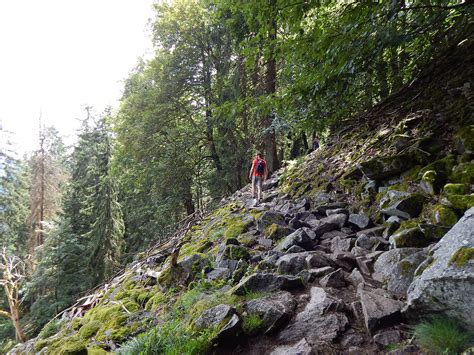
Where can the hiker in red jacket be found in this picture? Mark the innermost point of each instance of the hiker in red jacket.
(258, 174)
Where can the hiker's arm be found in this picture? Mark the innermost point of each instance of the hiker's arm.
(251, 172)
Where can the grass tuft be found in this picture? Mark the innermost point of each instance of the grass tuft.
(442, 336)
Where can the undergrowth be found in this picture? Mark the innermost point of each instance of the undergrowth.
(171, 338)
(442, 336)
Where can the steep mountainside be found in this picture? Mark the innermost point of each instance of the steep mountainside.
(326, 263)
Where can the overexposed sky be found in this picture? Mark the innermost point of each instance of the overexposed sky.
(56, 56)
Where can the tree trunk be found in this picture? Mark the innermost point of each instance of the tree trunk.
(381, 71)
(269, 138)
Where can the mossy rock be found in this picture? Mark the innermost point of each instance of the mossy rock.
(444, 216)
(442, 167)
(89, 329)
(277, 232)
(463, 173)
(461, 202)
(236, 252)
(155, 301)
(247, 240)
(462, 256)
(410, 238)
(464, 140)
(456, 189)
(68, 345)
(385, 167)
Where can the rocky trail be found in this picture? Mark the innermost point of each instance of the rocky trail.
(351, 246)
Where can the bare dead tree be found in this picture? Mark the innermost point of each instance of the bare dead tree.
(13, 273)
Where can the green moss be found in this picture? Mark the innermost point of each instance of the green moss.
(96, 351)
(50, 328)
(406, 267)
(429, 176)
(256, 214)
(412, 237)
(462, 256)
(456, 189)
(465, 138)
(463, 173)
(252, 323)
(270, 230)
(70, 345)
(444, 216)
(236, 252)
(155, 300)
(40, 344)
(461, 202)
(247, 240)
(234, 228)
(441, 166)
(89, 329)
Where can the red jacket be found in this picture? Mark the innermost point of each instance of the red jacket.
(254, 167)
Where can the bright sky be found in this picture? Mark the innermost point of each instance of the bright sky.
(56, 56)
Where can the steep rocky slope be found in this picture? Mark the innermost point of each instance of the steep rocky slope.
(352, 244)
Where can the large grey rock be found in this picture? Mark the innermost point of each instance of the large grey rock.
(299, 238)
(395, 268)
(300, 348)
(339, 219)
(379, 311)
(388, 337)
(320, 321)
(292, 263)
(266, 282)
(215, 316)
(334, 279)
(339, 244)
(219, 274)
(447, 284)
(361, 221)
(275, 310)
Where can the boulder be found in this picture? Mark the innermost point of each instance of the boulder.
(296, 223)
(322, 227)
(359, 221)
(268, 218)
(267, 282)
(381, 168)
(339, 244)
(215, 316)
(235, 252)
(337, 211)
(334, 279)
(318, 259)
(379, 311)
(219, 274)
(292, 263)
(320, 321)
(275, 310)
(277, 232)
(395, 268)
(297, 238)
(270, 184)
(365, 242)
(230, 330)
(410, 238)
(388, 337)
(338, 219)
(345, 260)
(407, 207)
(300, 348)
(447, 284)
(295, 249)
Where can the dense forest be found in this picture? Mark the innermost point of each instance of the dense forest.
(227, 79)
